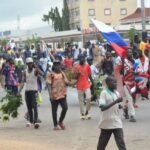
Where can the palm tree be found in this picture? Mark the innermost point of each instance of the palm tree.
(52, 16)
(46, 18)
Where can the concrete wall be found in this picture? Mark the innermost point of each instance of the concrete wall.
(99, 6)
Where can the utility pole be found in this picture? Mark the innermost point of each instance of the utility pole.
(143, 15)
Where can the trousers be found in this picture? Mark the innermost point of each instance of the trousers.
(63, 104)
(31, 102)
(105, 136)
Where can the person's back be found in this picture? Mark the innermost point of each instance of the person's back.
(107, 66)
(95, 71)
(27, 53)
(43, 63)
(77, 52)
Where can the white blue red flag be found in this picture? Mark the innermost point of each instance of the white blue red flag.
(116, 41)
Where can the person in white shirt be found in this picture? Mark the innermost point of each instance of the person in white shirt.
(31, 91)
(32, 50)
(77, 52)
(110, 122)
(94, 69)
(19, 59)
(44, 66)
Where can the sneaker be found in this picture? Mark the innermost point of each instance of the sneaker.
(36, 126)
(82, 117)
(132, 119)
(62, 126)
(88, 117)
(56, 128)
(143, 98)
(29, 124)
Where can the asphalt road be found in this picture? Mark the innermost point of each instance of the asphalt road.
(79, 135)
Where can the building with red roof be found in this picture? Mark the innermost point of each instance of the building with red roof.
(136, 17)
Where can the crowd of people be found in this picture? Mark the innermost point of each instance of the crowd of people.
(45, 69)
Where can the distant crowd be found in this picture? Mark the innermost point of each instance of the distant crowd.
(45, 68)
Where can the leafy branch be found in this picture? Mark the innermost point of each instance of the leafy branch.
(9, 106)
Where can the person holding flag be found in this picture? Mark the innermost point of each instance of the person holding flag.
(126, 67)
(122, 49)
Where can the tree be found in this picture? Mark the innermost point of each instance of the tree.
(3, 42)
(59, 23)
(65, 16)
(34, 40)
(51, 15)
(131, 34)
(100, 37)
(46, 18)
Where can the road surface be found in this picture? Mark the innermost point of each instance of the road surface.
(79, 135)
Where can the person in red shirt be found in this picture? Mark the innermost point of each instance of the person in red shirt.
(68, 62)
(83, 86)
(147, 46)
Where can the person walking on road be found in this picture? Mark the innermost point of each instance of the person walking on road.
(110, 122)
(83, 86)
(31, 91)
(57, 81)
(10, 75)
(127, 69)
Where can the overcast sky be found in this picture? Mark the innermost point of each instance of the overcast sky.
(147, 3)
(30, 12)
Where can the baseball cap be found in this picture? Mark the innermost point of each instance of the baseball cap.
(29, 60)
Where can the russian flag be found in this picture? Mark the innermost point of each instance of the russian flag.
(115, 40)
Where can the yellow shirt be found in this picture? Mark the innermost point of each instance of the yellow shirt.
(10, 52)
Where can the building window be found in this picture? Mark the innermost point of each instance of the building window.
(91, 12)
(72, 13)
(77, 12)
(123, 11)
(107, 11)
